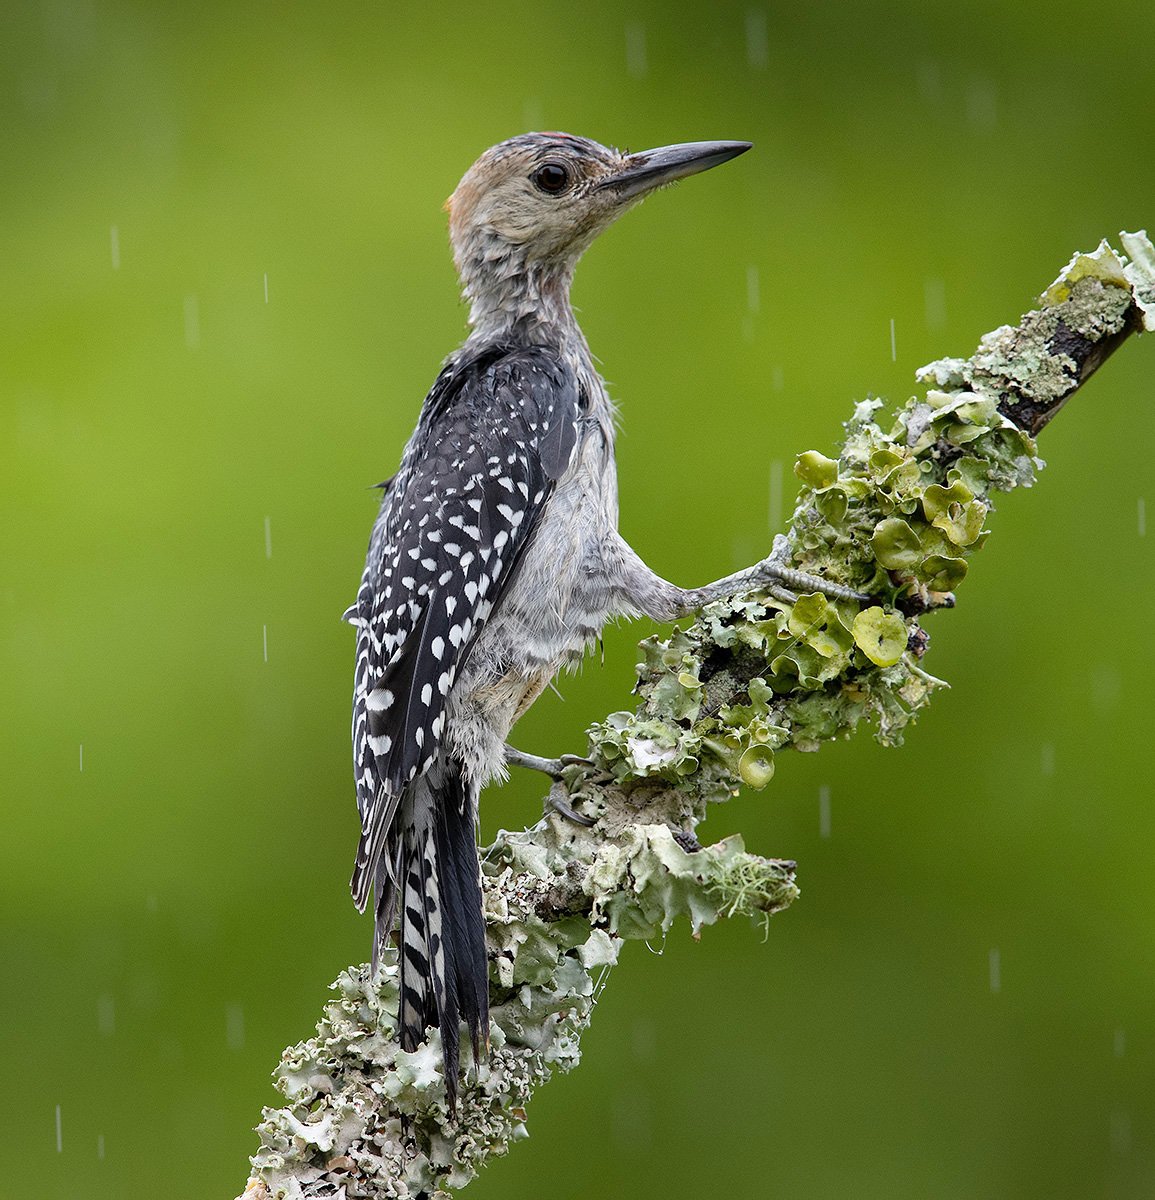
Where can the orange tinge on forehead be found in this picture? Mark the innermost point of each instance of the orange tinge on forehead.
(462, 199)
(462, 204)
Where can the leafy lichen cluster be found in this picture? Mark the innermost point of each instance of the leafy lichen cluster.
(366, 1117)
(898, 515)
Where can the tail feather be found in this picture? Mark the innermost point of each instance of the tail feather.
(457, 851)
(444, 968)
(422, 955)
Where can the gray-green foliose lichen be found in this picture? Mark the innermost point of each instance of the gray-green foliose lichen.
(1132, 271)
(559, 899)
(898, 515)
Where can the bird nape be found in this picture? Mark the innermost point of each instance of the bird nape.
(495, 559)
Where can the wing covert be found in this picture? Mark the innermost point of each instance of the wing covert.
(494, 437)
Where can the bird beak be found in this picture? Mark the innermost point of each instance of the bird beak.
(650, 169)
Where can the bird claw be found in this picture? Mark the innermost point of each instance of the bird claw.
(560, 805)
(785, 582)
(575, 760)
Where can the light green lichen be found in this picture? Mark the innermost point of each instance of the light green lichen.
(899, 514)
(559, 899)
(1135, 277)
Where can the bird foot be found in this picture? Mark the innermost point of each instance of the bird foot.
(553, 767)
(785, 583)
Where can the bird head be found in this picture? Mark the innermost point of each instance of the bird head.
(533, 204)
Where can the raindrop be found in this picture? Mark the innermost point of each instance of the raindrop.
(775, 495)
(265, 640)
(59, 1132)
(934, 295)
(266, 287)
(114, 246)
(38, 92)
(893, 344)
(636, 50)
(753, 297)
(1120, 1131)
(996, 970)
(824, 811)
(268, 537)
(777, 378)
(1106, 686)
(645, 1038)
(100, 1146)
(533, 116)
(1142, 517)
(151, 903)
(82, 756)
(757, 39)
(192, 322)
(1047, 758)
(106, 1014)
(235, 1027)
(632, 1122)
(982, 104)
(1120, 1042)
(661, 949)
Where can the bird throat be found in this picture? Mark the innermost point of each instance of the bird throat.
(514, 299)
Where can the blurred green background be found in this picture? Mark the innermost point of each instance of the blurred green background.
(224, 290)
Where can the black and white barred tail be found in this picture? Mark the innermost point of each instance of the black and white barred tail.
(427, 882)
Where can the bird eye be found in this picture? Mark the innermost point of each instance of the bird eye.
(552, 178)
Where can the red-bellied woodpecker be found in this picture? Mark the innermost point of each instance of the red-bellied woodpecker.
(496, 558)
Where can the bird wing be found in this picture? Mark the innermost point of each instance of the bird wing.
(495, 435)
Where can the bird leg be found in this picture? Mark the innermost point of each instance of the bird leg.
(552, 767)
(641, 590)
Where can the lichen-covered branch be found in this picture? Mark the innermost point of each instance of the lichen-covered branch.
(899, 515)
